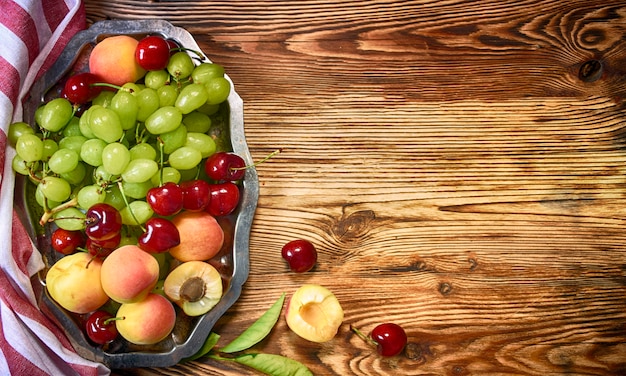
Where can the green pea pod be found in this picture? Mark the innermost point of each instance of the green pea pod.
(208, 345)
(271, 364)
(258, 330)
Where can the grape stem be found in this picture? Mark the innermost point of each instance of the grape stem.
(47, 215)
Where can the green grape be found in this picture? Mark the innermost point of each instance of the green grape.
(197, 122)
(20, 166)
(74, 143)
(191, 97)
(55, 189)
(56, 114)
(127, 238)
(133, 87)
(156, 79)
(49, 147)
(209, 109)
(218, 89)
(126, 106)
(29, 147)
(163, 120)
(83, 122)
(139, 210)
(115, 158)
(105, 124)
(70, 219)
(140, 170)
(75, 176)
(63, 161)
(137, 190)
(169, 174)
(72, 128)
(103, 99)
(91, 151)
(206, 71)
(201, 142)
(90, 195)
(189, 174)
(18, 129)
(115, 198)
(167, 95)
(143, 150)
(148, 102)
(174, 139)
(185, 158)
(40, 198)
(38, 112)
(180, 65)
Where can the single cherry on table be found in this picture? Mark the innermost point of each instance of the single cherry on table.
(300, 254)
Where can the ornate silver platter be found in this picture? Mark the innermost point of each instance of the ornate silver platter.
(189, 332)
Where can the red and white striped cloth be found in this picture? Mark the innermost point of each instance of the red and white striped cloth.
(32, 35)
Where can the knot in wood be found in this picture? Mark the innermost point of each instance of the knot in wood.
(353, 226)
(590, 70)
(445, 288)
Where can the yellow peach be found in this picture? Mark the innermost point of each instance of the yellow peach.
(113, 60)
(147, 321)
(129, 273)
(74, 283)
(201, 236)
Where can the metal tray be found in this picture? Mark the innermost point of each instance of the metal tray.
(233, 263)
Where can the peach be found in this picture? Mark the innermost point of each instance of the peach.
(147, 321)
(128, 274)
(314, 313)
(74, 283)
(201, 236)
(113, 60)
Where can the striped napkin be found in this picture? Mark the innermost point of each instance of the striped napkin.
(32, 35)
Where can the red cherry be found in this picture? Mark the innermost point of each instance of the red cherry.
(80, 88)
(224, 166)
(300, 254)
(165, 200)
(173, 45)
(100, 327)
(66, 242)
(152, 53)
(103, 222)
(161, 234)
(390, 338)
(224, 198)
(103, 248)
(196, 194)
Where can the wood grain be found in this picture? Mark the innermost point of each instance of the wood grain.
(459, 166)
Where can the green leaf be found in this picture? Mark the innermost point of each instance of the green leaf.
(258, 330)
(210, 342)
(271, 364)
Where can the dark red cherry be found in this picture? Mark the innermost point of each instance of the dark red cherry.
(103, 248)
(161, 234)
(101, 328)
(165, 200)
(152, 53)
(390, 338)
(103, 222)
(196, 194)
(224, 198)
(224, 166)
(300, 255)
(80, 88)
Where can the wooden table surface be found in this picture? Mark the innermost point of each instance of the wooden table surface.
(459, 165)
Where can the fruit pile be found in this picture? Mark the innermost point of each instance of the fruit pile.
(132, 184)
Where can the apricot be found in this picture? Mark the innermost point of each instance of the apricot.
(147, 321)
(128, 274)
(314, 313)
(195, 286)
(201, 236)
(74, 283)
(113, 60)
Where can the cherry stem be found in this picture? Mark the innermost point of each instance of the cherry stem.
(161, 148)
(119, 184)
(47, 215)
(365, 338)
(259, 162)
(110, 320)
(184, 49)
